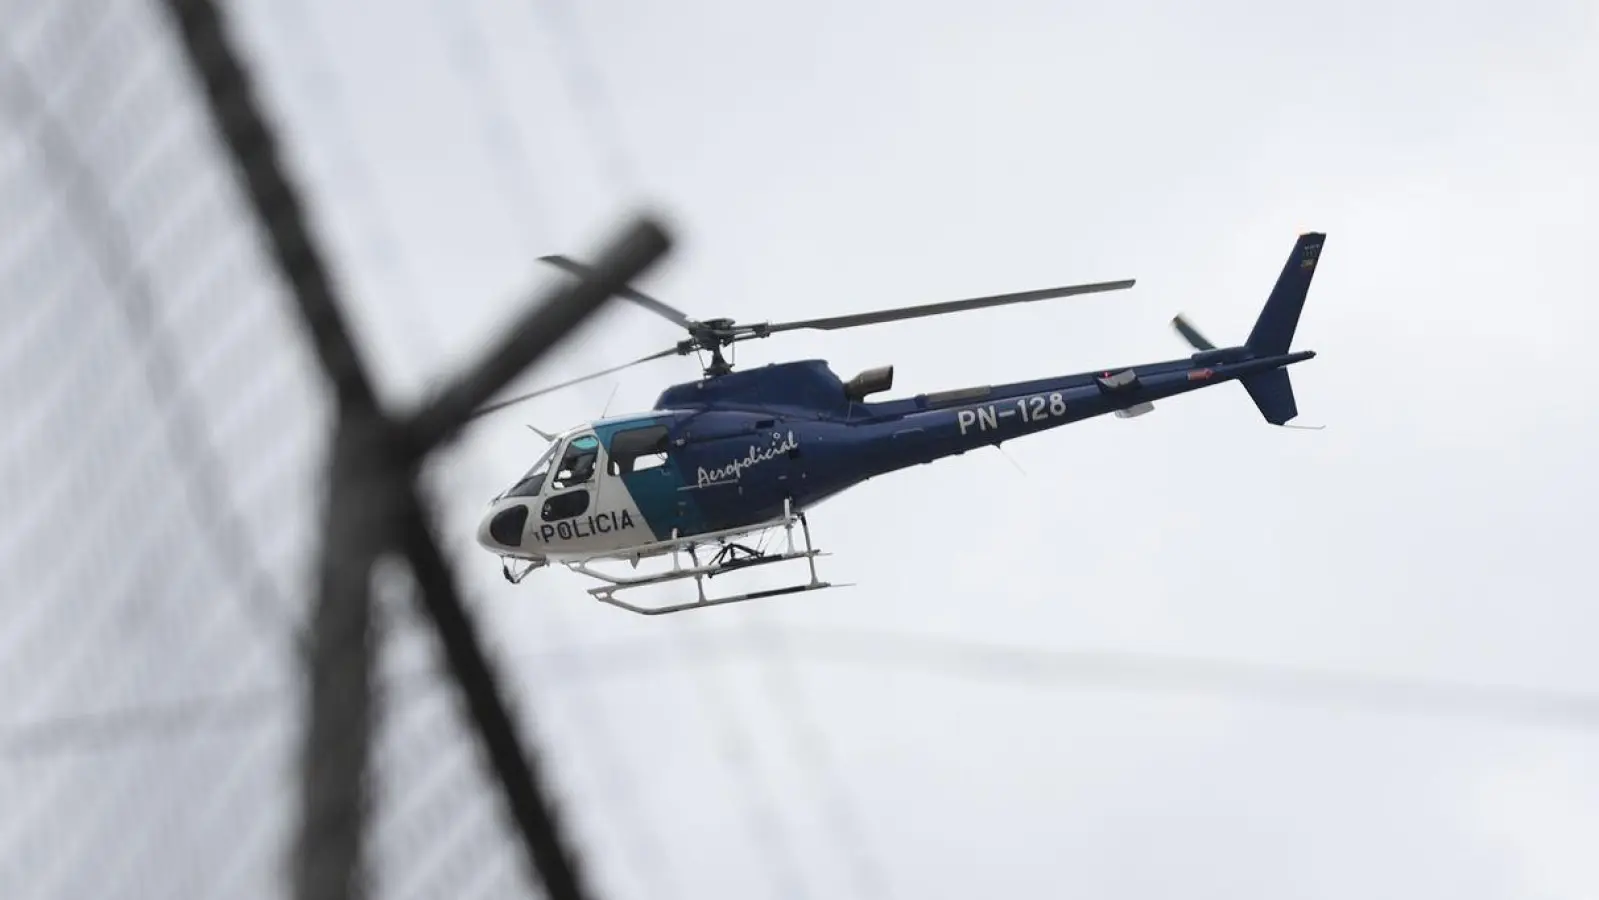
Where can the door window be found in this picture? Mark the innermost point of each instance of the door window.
(567, 505)
(637, 449)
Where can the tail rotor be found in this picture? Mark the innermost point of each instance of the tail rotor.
(1191, 334)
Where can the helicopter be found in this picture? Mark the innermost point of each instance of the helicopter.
(750, 452)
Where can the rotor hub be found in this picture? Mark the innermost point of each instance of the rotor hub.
(711, 335)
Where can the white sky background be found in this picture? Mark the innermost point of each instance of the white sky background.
(838, 156)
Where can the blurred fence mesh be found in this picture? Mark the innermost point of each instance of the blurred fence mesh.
(161, 468)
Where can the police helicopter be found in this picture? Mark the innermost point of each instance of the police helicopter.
(749, 452)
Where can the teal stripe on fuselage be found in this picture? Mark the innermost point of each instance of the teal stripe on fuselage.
(658, 493)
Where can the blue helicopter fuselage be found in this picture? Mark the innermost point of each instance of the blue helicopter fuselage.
(739, 449)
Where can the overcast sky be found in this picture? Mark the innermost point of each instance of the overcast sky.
(837, 156)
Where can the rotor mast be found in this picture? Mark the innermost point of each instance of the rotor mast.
(711, 335)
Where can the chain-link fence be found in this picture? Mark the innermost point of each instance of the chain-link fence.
(163, 473)
(160, 462)
(166, 433)
(164, 428)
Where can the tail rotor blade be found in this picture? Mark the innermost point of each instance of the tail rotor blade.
(1191, 335)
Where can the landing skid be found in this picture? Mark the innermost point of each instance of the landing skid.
(729, 557)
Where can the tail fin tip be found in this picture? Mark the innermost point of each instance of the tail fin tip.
(1279, 318)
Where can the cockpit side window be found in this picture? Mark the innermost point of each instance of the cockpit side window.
(577, 463)
(638, 449)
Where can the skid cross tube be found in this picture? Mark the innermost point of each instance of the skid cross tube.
(723, 562)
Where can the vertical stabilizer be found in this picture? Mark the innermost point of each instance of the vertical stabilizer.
(1274, 330)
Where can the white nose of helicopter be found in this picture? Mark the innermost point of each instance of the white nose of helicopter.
(504, 526)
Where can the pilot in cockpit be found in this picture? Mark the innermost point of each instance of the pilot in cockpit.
(582, 469)
(577, 465)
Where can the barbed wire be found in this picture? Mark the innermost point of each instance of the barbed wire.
(511, 161)
(811, 745)
(161, 471)
(180, 436)
(585, 80)
(619, 786)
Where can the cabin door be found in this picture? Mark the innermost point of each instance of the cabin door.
(573, 487)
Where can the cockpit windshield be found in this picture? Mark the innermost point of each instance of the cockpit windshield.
(533, 482)
(577, 458)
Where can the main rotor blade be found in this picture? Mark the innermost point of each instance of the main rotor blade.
(938, 309)
(664, 310)
(493, 407)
